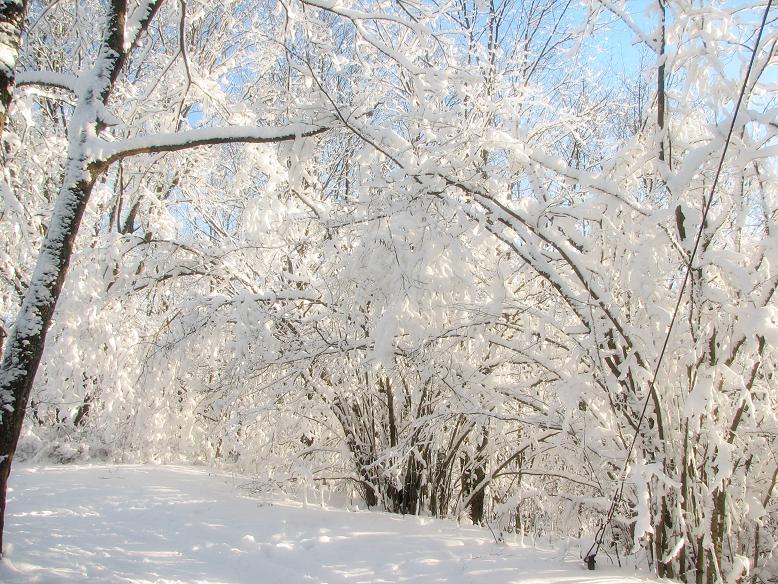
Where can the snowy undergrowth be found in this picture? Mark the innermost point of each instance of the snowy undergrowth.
(168, 524)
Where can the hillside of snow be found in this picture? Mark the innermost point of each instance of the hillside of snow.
(143, 524)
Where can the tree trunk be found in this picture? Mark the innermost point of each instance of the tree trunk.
(479, 498)
(717, 533)
(661, 98)
(478, 481)
(12, 13)
(662, 541)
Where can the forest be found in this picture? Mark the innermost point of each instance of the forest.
(507, 261)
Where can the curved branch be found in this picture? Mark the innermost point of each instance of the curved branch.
(48, 79)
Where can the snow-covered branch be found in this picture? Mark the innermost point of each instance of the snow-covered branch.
(51, 79)
(110, 152)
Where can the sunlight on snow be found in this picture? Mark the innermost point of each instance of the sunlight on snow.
(195, 527)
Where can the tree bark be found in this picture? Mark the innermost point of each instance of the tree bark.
(478, 482)
(12, 13)
(661, 98)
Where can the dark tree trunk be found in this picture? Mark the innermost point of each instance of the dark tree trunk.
(662, 540)
(478, 499)
(661, 98)
(371, 497)
(474, 481)
(717, 533)
(12, 13)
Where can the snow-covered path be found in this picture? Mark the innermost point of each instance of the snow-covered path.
(144, 524)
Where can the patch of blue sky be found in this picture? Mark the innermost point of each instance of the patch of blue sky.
(622, 48)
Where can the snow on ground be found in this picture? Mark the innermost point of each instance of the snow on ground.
(143, 524)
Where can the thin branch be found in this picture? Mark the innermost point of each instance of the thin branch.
(110, 152)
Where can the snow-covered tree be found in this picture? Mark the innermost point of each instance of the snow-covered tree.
(451, 297)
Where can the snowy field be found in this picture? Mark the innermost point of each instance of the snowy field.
(144, 524)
